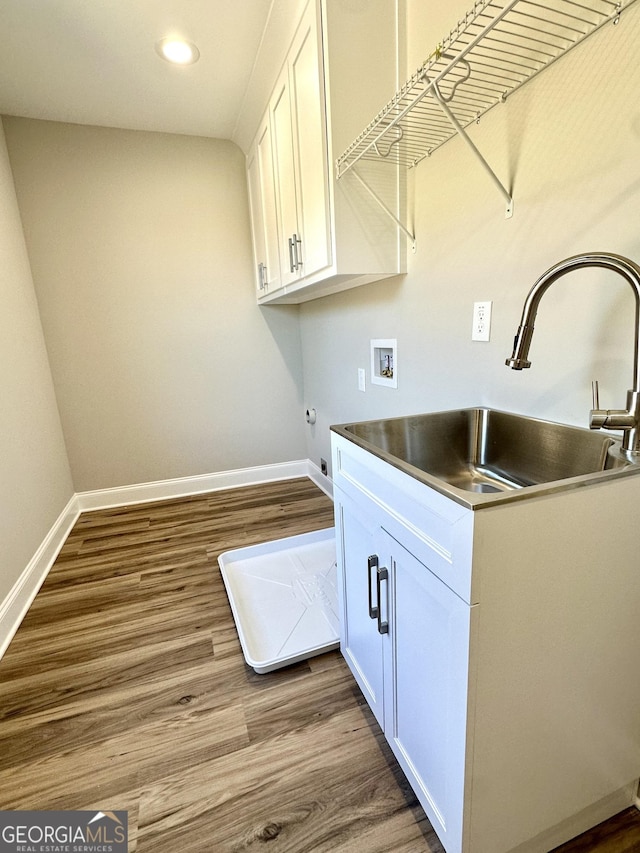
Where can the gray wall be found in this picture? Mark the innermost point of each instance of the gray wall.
(162, 364)
(569, 142)
(35, 481)
(141, 256)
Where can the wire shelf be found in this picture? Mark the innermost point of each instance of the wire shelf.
(493, 51)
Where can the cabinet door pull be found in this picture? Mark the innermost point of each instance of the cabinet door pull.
(292, 266)
(372, 563)
(382, 574)
(297, 245)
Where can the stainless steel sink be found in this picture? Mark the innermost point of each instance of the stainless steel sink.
(485, 451)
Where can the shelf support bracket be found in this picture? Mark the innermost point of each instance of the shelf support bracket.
(385, 208)
(465, 136)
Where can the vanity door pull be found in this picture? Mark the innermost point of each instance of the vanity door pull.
(372, 563)
(382, 574)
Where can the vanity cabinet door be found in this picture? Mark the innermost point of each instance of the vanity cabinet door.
(360, 642)
(426, 675)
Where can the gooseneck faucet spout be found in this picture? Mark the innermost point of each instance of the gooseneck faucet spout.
(627, 420)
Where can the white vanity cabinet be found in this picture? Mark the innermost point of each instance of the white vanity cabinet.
(405, 636)
(500, 660)
(342, 59)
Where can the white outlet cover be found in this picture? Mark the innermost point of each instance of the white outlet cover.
(481, 329)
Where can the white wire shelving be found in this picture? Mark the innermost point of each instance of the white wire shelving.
(494, 50)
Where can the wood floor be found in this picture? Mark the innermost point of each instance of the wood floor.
(125, 688)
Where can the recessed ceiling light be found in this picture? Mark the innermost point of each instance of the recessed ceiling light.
(178, 51)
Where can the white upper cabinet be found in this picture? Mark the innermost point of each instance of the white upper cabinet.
(262, 206)
(328, 237)
(300, 161)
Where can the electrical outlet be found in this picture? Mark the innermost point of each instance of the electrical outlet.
(361, 380)
(323, 466)
(481, 330)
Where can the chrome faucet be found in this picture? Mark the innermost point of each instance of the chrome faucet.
(627, 420)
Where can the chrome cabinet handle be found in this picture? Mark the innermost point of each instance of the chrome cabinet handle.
(262, 276)
(382, 574)
(295, 252)
(297, 246)
(292, 266)
(372, 563)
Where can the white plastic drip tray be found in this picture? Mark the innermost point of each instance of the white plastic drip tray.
(284, 599)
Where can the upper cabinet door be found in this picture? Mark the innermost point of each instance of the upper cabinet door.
(300, 156)
(284, 179)
(262, 207)
(257, 223)
(271, 274)
(306, 79)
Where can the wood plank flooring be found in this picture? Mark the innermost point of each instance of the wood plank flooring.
(125, 688)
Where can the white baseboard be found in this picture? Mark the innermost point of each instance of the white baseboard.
(184, 486)
(321, 480)
(15, 606)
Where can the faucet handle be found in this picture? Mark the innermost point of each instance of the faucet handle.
(598, 418)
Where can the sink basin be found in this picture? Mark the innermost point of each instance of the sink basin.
(485, 451)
